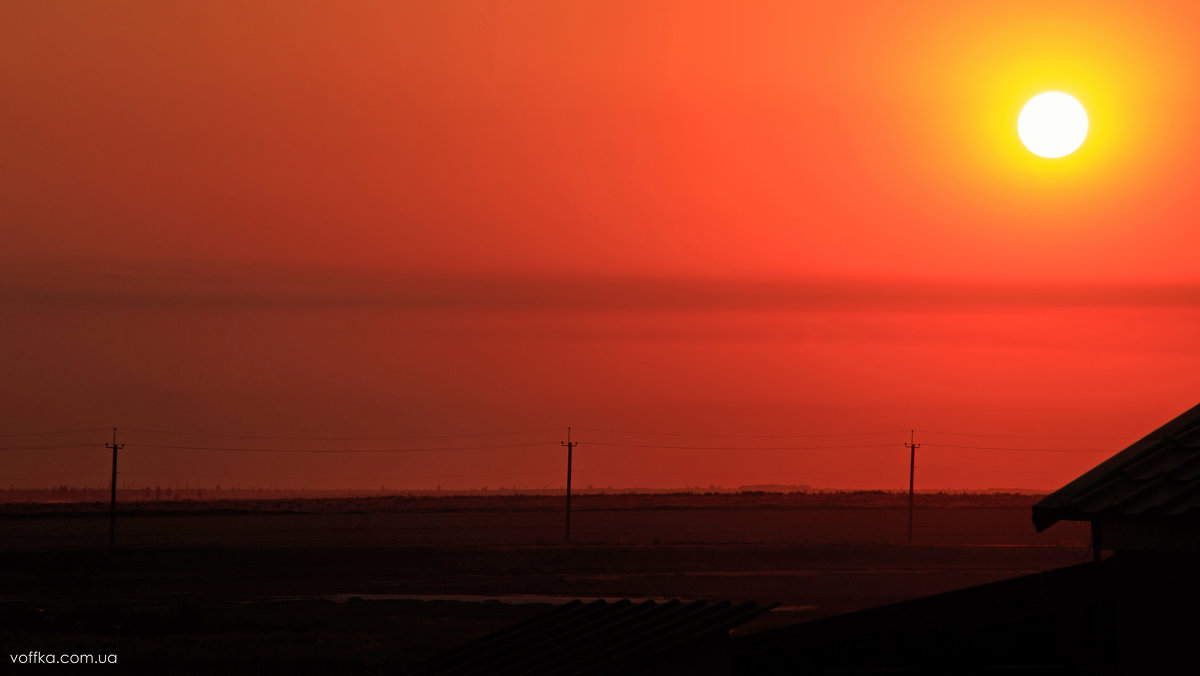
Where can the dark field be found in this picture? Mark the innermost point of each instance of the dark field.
(373, 585)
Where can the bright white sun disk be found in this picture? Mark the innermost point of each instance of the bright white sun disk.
(1052, 124)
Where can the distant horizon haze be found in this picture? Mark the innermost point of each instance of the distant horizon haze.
(689, 231)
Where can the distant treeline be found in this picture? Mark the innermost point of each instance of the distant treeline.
(65, 493)
(160, 494)
(87, 501)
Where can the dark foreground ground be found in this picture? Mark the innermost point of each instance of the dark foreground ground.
(375, 585)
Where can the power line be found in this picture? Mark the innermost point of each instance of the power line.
(719, 474)
(299, 438)
(1027, 450)
(993, 470)
(851, 446)
(740, 448)
(533, 444)
(331, 451)
(1016, 436)
(239, 476)
(50, 447)
(739, 436)
(51, 434)
(843, 434)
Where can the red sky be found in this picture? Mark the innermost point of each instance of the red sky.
(713, 218)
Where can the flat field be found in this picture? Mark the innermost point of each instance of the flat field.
(375, 584)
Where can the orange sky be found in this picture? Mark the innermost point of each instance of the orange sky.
(397, 219)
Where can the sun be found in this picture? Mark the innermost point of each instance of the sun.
(1052, 124)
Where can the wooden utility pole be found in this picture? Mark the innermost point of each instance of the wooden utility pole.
(570, 447)
(112, 510)
(912, 468)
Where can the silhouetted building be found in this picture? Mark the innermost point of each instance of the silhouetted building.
(1144, 499)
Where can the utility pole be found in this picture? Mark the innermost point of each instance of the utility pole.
(912, 467)
(112, 511)
(570, 447)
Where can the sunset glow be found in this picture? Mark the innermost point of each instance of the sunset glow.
(421, 219)
(1052, 125)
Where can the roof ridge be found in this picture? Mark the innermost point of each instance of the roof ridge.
(1110, 475)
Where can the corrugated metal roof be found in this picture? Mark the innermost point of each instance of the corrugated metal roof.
(596, 637)
(1158, 475)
